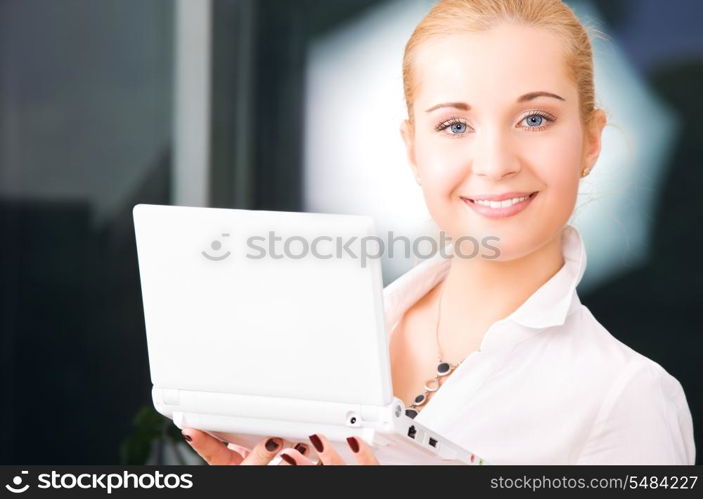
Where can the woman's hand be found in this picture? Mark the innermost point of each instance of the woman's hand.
(215, 452)
(328, 455)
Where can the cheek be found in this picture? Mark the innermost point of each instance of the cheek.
(442, 172)
(556, 162)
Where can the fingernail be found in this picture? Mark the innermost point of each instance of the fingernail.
(353, 444)
(316, 442)
(300, 448)
(288, 459)
(271, 444)
(187, 437)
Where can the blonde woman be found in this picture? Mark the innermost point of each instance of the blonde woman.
(494, 350)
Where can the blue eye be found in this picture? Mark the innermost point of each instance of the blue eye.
(455, 125)
(458, 127)
(535, 121)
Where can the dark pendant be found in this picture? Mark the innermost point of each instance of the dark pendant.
(411, 413)
(443, 368)
(420, 399)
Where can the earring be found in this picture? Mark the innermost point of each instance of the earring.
(585, 172)
(417, 179)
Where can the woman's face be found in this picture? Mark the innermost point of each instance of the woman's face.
(483, 128)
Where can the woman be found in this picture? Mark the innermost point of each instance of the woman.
(496, 352)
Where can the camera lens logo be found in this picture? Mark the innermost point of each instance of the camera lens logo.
(216, 246)
(16, 482)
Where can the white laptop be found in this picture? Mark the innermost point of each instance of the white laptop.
(261, 323)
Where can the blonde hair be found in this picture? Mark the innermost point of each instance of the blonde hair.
(449, 17)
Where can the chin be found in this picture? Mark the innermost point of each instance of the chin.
(499, 242)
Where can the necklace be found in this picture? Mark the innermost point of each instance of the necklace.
(443, 369)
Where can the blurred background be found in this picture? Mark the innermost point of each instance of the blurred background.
(285, 105)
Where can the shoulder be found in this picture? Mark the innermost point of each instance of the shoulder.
(643, 415)
(597, 348)
(628, 371)
(585, 352)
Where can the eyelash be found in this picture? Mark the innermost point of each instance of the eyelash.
(454, 119)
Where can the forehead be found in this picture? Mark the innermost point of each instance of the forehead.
(491, 67)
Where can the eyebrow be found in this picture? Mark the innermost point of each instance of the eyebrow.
(523, 98)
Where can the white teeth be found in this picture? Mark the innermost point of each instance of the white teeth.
(501, 204)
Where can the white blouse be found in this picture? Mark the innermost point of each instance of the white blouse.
(549, 384)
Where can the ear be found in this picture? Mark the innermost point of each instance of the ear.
(406, 132)
(592, 145)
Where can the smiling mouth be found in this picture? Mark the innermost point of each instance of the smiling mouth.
(500, 204)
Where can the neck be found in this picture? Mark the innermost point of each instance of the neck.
(480, 292)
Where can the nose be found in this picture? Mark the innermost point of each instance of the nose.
(494, 156)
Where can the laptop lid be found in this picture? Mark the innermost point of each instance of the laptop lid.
(280, 304)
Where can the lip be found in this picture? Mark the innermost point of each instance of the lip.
(508, 211)
(499, 197)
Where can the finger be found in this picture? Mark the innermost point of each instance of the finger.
(245, 449)
(363, 452)
(304, 449)
(239, 449)
(212, 450)
(264, 451)
(324, 448)
(292, 457)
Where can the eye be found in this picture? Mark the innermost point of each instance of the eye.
(455, 126)
(535, 121)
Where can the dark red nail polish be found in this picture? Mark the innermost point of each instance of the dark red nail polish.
(187, 437)
(316, 442)
(271, 445)
(288, 459)
(353, 444)
(300, 448)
